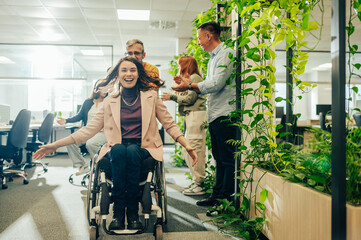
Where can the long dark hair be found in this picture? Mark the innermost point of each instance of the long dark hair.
(144, 82)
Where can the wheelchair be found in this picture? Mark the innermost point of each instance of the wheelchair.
(99, 200)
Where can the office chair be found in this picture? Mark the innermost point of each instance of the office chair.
(42, 135)
(12, 151)
(357, 117)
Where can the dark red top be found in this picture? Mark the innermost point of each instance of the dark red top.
(131, 116)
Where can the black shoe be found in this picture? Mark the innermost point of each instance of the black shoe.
(208, 202)
(133, 220)
(117, 224)
(135, 225)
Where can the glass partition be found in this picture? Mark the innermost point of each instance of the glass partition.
(53, 78)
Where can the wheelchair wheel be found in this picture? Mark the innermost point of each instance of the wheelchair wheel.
(160, 190)
(93, 232)
(158, 232)
(93, 191)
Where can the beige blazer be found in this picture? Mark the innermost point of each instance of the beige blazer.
(108, 118)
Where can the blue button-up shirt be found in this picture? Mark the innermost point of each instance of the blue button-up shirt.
(215, 84)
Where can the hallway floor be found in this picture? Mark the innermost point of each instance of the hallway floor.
(50, 207)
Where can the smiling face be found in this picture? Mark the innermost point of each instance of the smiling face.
(204, 39)
(128, 74)
(136, 51)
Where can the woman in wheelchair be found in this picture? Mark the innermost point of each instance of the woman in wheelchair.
(129, 118)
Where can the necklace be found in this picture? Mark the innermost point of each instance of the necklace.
(131, 104)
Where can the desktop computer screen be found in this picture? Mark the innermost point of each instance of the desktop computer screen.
(4, 114)
(324, 108)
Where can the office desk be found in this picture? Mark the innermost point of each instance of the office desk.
(59, 132)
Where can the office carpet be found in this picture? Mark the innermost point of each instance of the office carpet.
(50, 207)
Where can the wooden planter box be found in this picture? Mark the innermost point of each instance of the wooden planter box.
(297, 212)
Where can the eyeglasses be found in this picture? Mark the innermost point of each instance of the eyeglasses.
(133, 53)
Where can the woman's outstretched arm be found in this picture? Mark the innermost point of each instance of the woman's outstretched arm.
(49, 148)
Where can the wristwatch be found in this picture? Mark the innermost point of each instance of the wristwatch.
(190, 86)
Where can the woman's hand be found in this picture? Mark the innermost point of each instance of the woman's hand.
(165, 96)
(61, 121)
(192, 152)
(44, 150)
(183, 83)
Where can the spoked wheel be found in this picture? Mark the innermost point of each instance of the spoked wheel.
(93, 190)
(93, 232)
(158, 232)
(160, 190)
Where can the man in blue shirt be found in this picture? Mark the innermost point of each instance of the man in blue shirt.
(220, 94)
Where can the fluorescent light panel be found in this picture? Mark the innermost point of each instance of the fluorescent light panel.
(5, 60)
(137, 15)
(92, 52)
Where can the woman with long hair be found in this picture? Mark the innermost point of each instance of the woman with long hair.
(129, 118)
(193, 106)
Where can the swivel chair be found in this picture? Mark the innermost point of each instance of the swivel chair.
(12, 151)
(357, 117)
(42, 135)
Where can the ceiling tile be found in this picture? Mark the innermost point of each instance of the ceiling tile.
(73, 23)
(166, 15)
(6, 10)
(96, 4)
(11, 20)
(136, 5)
(35, 3)
(58, 12)
(61, 4)
(40, 21)
(165, 5)
(100, 14)
(137, 26)
(189, 16)
(199, 5)
(36, 12)
(110, 24)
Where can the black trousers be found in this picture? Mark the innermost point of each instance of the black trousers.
(126, 161)
(221, 131)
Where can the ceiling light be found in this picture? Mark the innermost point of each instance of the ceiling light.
(92, 52)
(138, 15)
(5, 60)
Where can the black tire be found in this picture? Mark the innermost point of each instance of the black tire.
(93, 232)
(158, 232)
(160, 190)
(25, 181)
(93, 190)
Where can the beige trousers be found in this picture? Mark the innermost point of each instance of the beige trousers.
(197, 139)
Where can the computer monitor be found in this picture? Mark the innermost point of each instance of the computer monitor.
(324, 108)
(280, 112)
(4, 113)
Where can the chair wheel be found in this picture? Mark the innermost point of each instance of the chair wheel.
(93, 232)
(83, 183)
(25, 181)
(71, 178)
(158, 232)
(45, 169)
(4, 186)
